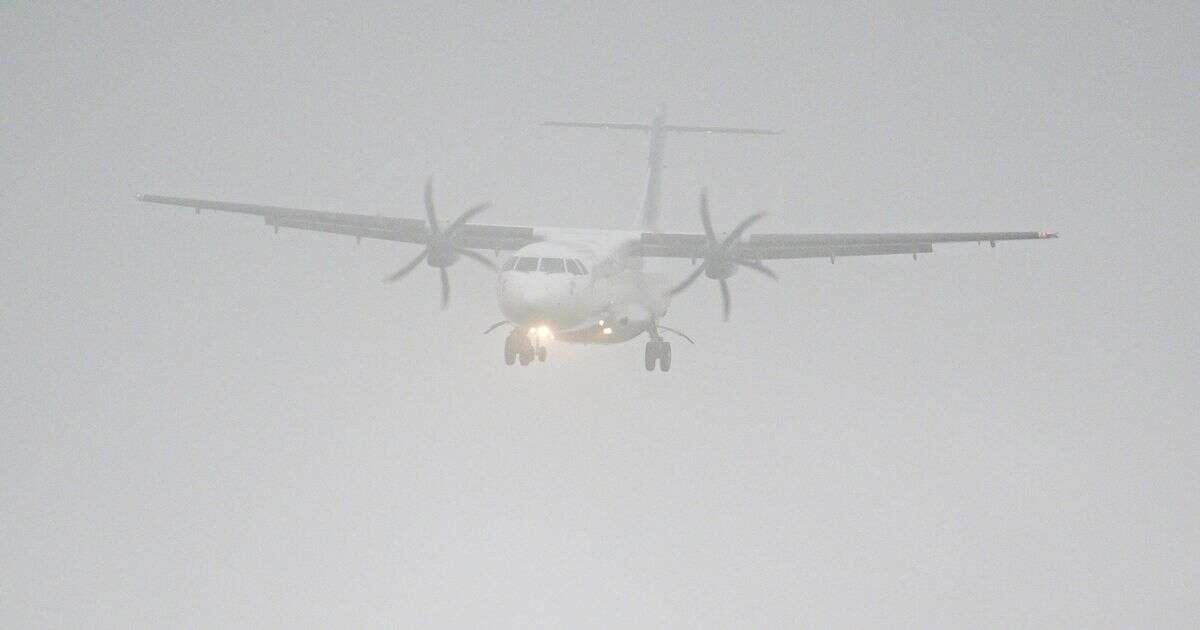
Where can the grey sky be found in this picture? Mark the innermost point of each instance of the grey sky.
(203, 424)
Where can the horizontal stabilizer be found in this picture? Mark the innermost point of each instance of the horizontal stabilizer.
(756, 132)
(592, 125)
(671, 128)
(658, 130)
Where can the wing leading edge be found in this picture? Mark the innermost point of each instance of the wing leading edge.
(785, 246)
(651, 244)
(474, 236)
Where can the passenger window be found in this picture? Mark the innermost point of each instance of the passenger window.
(553, 265)
(527, 264)
(512, 262)
(573, 267)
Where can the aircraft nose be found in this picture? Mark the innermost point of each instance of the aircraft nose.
(528, 299)
(547, 302)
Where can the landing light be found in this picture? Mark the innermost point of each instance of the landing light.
(544, 333)
(608, 331)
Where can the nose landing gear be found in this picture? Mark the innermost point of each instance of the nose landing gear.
(519, 347)
(510, 350)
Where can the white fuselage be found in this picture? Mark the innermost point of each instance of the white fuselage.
(585, 286)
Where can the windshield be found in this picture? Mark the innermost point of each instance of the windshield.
(527, 264)
(553, 265)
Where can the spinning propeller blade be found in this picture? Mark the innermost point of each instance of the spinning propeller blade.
(441, 249)
(407, 268)
(721, 259)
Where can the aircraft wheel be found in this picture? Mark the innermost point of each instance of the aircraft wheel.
(664, 357)
(510, 351)
(526, 358)
(652, 352)
(541, 354)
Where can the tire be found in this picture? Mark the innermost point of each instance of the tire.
(664, 357)
(526, 358)
(541, 355)
(652, 351)
(510, 352)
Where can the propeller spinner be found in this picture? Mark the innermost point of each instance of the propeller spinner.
(441, 250)
(721, 261)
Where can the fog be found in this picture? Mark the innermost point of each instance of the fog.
(204, 424)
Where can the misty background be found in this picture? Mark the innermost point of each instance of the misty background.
(204, 424)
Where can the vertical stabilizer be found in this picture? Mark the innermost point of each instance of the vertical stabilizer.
(658, 130)
(648, 218)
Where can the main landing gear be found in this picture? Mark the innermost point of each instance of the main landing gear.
(658, 351)
(519, 347)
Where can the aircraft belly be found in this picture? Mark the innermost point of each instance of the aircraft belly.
(624, 307)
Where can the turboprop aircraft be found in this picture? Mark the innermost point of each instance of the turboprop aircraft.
(591, 286)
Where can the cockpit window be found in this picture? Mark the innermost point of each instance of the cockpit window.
(546, 265)
(553, 265)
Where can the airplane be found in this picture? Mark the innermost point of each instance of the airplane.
(591, 286)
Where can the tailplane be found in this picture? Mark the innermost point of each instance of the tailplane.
(658, 130)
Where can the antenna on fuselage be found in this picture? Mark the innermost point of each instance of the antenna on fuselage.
(658, 129)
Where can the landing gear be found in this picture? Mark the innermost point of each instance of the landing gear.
(510, 350)
(519, 347)
(658, 351)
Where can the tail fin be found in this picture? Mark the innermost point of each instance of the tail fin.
(658, 129)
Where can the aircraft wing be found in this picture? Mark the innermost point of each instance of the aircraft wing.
(800, 245)
(475, 236)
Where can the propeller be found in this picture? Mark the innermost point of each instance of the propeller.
(721, 261)
(441, 250)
